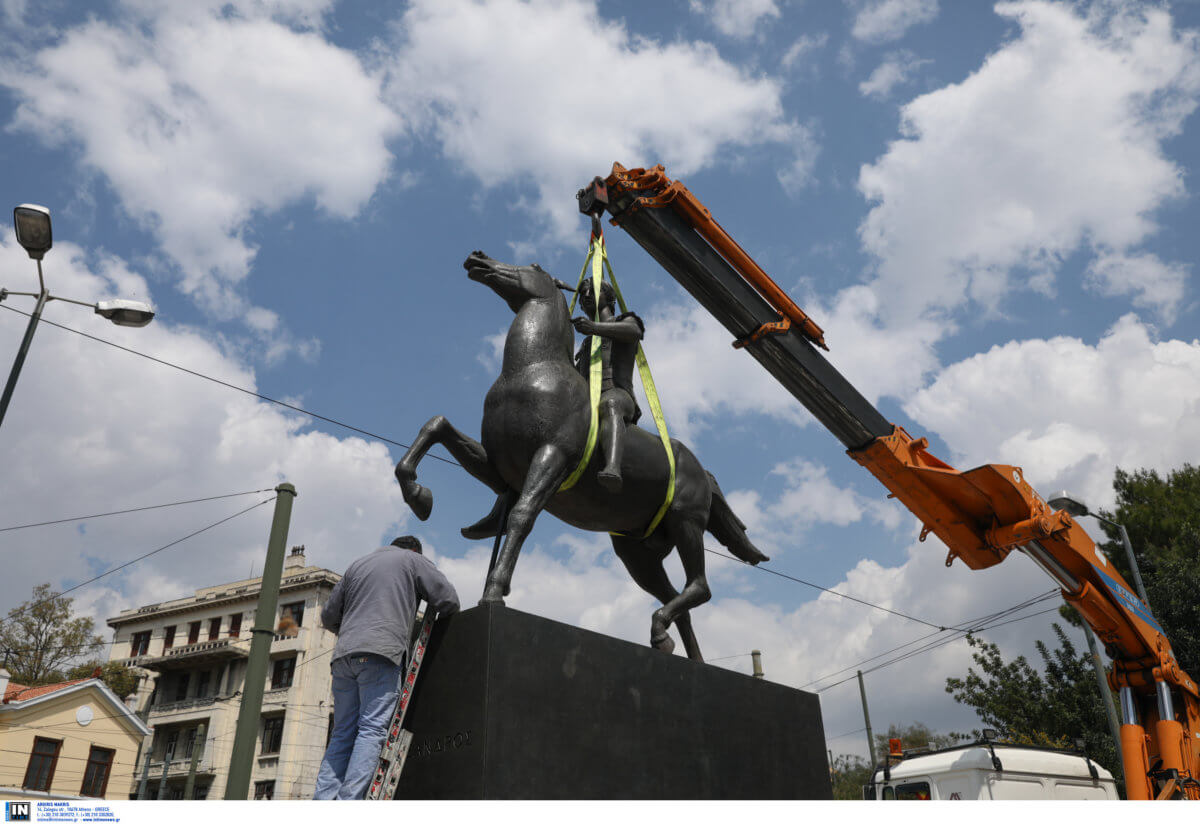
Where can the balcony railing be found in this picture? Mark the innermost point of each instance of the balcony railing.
(234, 645)
(185, 704)
(275, 696)
(188, 655)
(180, 767)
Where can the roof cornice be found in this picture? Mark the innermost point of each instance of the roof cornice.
(319, 577)
(123, 712)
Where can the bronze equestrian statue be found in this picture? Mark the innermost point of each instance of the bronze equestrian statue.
(620, 336)
(535, 427)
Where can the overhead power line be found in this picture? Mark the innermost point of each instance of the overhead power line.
(136, 509)
(228, 385)
(176, 542)
(935, 645)
(974, 625)
(826, 589)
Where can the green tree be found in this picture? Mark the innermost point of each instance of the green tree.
(1049, 708)
(915, 736)
(120, 679)
(40, 639)
(1162, 517)
(849, 774)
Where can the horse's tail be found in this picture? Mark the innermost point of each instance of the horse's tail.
(727, 528)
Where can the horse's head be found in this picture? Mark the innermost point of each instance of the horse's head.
(517, 285)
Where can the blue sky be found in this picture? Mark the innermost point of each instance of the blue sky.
(989, 209)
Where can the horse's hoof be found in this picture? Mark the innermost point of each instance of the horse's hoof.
(663, 643)
(476, 533)
(491, 596)
(486, 527)
(419, 500)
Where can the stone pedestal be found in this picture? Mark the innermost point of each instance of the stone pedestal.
(512, 706)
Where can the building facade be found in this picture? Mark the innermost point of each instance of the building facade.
(74, 739)
(192, 654)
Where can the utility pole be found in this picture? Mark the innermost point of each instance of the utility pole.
(141, 793)
(867, 717)
(237, 787)
(1114, 726)
(197, 747)
(162, 781)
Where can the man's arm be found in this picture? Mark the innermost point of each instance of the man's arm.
(436, 589)
(331, 613)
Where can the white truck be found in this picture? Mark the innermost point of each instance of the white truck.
(992, 772)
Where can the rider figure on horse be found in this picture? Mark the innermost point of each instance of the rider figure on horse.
(619, 337)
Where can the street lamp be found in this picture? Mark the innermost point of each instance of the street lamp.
(1078, 508)
(32, 224)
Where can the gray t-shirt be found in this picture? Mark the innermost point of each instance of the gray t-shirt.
(372, 608)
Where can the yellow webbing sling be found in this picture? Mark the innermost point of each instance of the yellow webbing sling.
(598, 258)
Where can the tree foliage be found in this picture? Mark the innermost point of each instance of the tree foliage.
(849, 773)
(40, 639)
(120, 679)
(1049, 708)
(1162, 518)
(915, 736)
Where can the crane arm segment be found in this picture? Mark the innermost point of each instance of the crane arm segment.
(981, 514)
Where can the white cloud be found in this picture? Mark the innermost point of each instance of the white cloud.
(1069, 412)
(700, 375)
(736, 18)
(93, 429)
(1053, 144)
(808, 498)
(1154, 284)
(879, 21)
(803, 51)
(202, 116)
(896, 69)
(304, 13)
(501, 86)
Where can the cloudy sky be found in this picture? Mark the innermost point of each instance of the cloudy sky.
(988, 208)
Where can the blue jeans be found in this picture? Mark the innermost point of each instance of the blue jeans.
(364, 696)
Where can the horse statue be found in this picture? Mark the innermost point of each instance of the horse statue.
(535, 430)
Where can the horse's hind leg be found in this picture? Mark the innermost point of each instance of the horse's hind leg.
(688, 538)
(469, 453)
(546, 473)
(645, 566)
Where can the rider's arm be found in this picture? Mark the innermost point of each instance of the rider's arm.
(626, 329)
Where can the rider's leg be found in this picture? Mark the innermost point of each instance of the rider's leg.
(612, 435)
(616, 407)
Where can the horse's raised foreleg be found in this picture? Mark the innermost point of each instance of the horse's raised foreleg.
(646, 568)
(469, 453)
(546, 473)
(689, 542)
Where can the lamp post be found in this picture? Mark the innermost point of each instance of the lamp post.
(32, 224)
(1078, 508)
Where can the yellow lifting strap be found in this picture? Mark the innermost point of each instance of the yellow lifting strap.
(597, 257)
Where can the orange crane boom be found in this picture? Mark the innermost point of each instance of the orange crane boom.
(981, 514)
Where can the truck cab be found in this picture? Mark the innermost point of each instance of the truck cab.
(992, 772)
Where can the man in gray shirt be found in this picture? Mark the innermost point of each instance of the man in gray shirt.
(371, 609)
